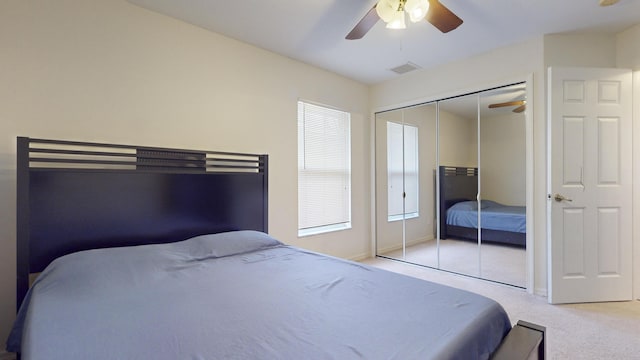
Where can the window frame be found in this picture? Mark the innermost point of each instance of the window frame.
(342, 120)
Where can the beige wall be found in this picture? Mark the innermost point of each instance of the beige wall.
(109, 71)
(458, 140)
(628, 48)
(580, 50)
(503, 158)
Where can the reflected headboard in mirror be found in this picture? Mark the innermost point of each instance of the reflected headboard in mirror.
(456, 184)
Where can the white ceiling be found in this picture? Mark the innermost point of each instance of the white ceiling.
(313, 31)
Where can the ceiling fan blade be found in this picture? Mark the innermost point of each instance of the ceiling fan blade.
(508, 103)
(520, 109)
(361, 28)
(441, 17)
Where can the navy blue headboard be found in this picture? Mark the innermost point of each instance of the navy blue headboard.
(74, 196)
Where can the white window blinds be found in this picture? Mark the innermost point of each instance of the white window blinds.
(324, 169)
(402, 170)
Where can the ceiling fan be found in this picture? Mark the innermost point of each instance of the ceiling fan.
(392, 12)
(521, 105)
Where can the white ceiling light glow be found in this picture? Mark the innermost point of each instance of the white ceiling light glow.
(392, 12)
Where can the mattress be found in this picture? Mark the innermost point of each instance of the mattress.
(493, 215)
(245, 295)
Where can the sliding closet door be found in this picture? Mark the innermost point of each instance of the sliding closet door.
(451, 186)
(458, 155)
(502, 139)
(390, 241)
(420, 125)
(405, 183)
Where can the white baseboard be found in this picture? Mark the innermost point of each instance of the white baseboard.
(354, 258)
(389, 249)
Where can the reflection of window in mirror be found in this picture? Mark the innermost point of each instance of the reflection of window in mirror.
(402, 171)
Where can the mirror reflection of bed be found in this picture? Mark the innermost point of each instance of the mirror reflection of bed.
(502, 235)
(482, 132)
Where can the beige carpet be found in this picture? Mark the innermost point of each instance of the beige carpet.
(505, 264)
(576, 331)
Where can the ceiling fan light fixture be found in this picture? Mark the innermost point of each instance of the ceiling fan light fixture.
(417, 9)
(387, 9)
(398, 21)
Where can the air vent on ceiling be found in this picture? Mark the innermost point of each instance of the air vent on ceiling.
(403, 69)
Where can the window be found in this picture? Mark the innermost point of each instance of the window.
(324, 169)
(402, 171)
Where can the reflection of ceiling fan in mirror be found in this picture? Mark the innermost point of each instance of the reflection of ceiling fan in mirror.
(392, 12)
(521, 105)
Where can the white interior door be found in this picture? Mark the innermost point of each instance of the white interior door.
(589, 187)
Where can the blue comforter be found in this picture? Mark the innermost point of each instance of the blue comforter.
(493, 216)
(245, 295)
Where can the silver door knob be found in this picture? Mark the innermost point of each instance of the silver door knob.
(560, 198)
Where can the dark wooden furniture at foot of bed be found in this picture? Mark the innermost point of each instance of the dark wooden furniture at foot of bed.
(142, 242)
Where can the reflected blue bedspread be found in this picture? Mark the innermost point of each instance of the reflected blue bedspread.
(493, 215)
(244, 295)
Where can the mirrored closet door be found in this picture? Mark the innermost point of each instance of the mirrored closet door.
(502, 138)
(405, 184)
(458, 180)
(450, 184)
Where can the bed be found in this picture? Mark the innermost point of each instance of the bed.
(164, 254)
(501, 224)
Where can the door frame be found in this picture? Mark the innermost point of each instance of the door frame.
(635, 187)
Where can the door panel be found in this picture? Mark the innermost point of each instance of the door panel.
(502, 136)
(573, 145)
(420, 140)
(608, 242)
(458, 147)
(405, 196)
(608, 146)
(590, 185)
(389, 234)
(573, 245)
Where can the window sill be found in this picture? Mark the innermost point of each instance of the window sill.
(323, 229)
(400, 217)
